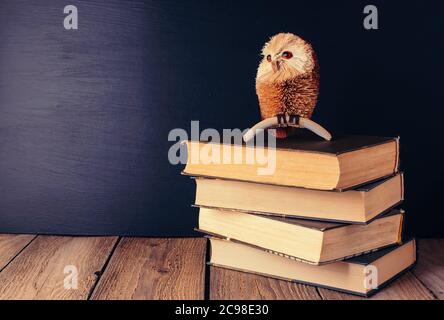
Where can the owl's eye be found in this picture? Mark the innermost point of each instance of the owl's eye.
(287, 55)
(269, 58)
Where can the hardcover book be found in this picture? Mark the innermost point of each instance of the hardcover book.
(305, 161)
(307, 241)
(363, 275)
(360, 205)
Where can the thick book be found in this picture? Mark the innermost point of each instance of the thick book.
(363, 275)
(359, 206)
(307, 241)
(301, 161)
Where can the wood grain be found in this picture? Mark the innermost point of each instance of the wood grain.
(406, 287)
(430, 268)
(170, 269)
(147, 268)
(11, 245)
(228, 284)
(38, 272)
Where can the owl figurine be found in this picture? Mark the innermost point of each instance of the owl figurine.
(287, 86)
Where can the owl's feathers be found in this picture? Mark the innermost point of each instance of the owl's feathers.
(288, 77)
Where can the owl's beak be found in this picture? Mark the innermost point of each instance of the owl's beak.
(276, 65)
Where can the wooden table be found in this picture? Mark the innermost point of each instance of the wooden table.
(33, 267)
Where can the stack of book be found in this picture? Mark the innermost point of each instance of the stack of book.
(326, 216)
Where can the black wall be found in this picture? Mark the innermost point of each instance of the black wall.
(85, 115)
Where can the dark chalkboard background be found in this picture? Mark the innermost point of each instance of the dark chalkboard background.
(85, 115)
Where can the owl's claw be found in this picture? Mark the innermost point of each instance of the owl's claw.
(288, 121)
(315, 128)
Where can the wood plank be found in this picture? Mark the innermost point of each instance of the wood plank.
(228, 284)
(407, 287)
(38, 272)
(430, 268)
(11, 245)
(143, 268)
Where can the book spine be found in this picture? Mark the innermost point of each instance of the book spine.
(402, 186)
(401, 227)
(397, 160)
